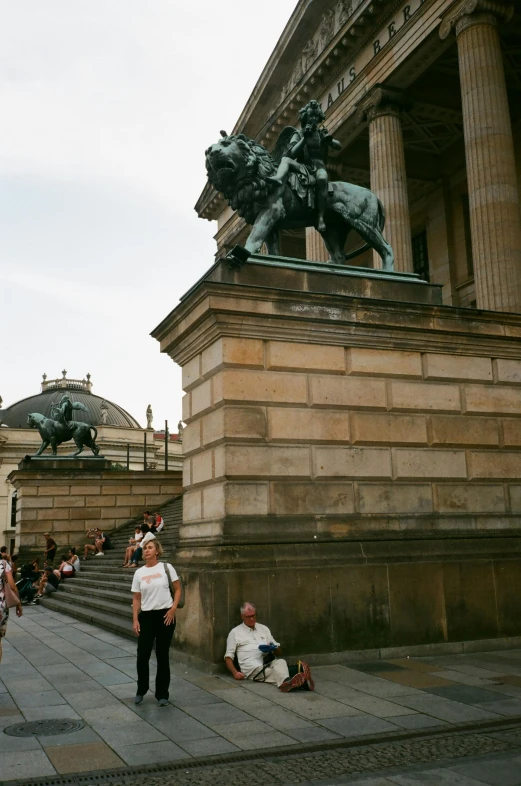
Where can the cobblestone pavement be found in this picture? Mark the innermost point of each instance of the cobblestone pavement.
(390, 760)
(442, 759)
(448, 719)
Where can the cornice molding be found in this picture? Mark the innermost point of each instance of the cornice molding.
(270, 314)
(467, 13)
(350, 40)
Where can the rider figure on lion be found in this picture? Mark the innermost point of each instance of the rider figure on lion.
(311, 149)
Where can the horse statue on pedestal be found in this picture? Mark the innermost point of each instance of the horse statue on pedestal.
(61, 428)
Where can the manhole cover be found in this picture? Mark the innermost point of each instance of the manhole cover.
(44, 728)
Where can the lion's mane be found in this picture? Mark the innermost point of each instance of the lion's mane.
(248, 191)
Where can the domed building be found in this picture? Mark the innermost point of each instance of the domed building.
(99, 411)
(120, 437)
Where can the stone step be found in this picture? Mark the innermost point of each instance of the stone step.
(97, 604)
(117, 624)
(115, 569)
(97, 582)
(101, 592)
(119, 548)
(117, 594)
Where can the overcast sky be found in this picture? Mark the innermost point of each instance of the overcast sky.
(107, 107)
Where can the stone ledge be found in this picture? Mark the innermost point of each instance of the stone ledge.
(324, 277)
(216, 309)
(346, 657)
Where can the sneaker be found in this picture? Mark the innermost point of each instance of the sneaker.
(32, 603)
(138, 699)
(100, 554)
(163, 702)
(306, 671)
(293, 682)
(37, 597)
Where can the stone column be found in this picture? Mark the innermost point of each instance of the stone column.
(489, 150)
(315, 248)
(381, 107)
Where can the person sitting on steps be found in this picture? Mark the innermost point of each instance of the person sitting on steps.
(102, 543)
(48, 584)
(134, 543)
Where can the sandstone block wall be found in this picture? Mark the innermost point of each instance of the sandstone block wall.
(315, 430)
(67, 503)
(353, 457)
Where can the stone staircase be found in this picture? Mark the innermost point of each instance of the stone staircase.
(100, 593)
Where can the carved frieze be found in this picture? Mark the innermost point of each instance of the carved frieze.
(332, 21)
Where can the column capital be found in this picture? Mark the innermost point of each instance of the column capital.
(381, 100)
(471, 12)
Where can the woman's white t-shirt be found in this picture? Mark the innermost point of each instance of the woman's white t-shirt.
(152, 583)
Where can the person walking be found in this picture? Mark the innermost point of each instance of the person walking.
(50, 549)
(6, 577)
(157, 592)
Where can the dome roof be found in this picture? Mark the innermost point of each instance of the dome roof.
(15, 416)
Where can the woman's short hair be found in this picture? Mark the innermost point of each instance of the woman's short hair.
(157, 544)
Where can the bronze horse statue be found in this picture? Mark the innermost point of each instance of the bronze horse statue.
(53, 433)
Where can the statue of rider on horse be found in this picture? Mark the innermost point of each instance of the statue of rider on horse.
(61, 427)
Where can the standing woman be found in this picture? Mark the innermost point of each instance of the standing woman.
(6, 577)
(154, 618)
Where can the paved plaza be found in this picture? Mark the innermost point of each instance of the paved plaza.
(365, 718)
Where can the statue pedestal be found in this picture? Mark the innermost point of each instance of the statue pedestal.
(352, 463)
(46, 463)
(67, 496)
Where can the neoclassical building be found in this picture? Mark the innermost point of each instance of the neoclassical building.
(425, 98)
(120, 437)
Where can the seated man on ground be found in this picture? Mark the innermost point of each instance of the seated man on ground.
(250, 642)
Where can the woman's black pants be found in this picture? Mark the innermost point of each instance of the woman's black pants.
(152, 628)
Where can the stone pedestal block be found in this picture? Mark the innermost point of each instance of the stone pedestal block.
(66, 497)
(351, 463)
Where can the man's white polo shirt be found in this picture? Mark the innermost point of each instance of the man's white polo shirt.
(244, 642)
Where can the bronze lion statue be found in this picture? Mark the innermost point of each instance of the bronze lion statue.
(53, 433)
(240, 169)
